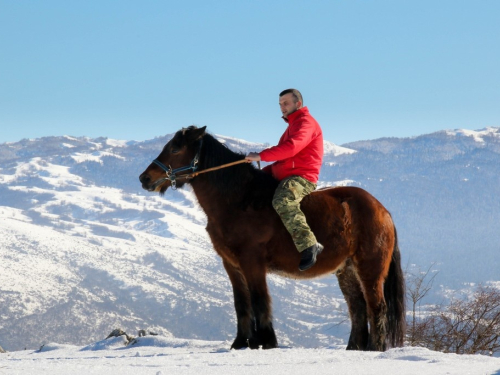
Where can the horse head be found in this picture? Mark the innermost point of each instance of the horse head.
(179, 157)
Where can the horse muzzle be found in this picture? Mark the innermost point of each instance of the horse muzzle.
(145, 181)
(149, 185)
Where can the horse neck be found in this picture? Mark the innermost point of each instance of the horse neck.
(230, 188)
(206, 195)
(226, 180)
(212, 200)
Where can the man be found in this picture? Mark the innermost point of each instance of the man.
(298, 158)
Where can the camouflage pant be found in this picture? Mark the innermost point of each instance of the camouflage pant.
(286, 202)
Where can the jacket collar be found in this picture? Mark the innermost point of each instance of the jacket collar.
(298, 113)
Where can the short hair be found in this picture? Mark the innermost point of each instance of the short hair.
(295, 93)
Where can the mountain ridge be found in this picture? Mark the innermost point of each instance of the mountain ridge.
(85, 248)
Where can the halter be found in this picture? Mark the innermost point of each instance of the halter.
(193, 166)
(171, 173)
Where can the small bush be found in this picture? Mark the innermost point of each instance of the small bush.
(469, 326)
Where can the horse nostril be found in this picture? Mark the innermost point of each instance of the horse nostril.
(144, 178)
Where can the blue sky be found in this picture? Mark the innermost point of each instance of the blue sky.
(138, 69)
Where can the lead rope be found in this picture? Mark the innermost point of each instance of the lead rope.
(194, 174)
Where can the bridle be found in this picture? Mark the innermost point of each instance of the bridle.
(171, 173)
(193, 166)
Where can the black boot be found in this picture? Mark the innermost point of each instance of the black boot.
(308, 256)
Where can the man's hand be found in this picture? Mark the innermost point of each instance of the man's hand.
(253, 156)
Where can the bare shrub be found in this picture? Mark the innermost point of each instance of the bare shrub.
(465, 326)
(418, 285)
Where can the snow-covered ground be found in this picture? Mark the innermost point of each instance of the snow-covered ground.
(156, 355)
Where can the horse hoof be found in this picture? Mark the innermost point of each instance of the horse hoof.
(376, 348)
(253, 344)
(270, 346)
(239, 344)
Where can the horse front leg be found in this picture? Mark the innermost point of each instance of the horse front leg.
(264, 333)
(255, 275)
(242, 303)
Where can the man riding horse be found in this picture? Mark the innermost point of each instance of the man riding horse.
(357, 231)
(297, 162)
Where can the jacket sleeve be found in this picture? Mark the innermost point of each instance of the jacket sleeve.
(299, 137)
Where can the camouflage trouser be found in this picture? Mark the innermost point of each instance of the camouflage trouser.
(286, 202)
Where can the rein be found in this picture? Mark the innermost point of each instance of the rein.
(171, 173)
(194, 174)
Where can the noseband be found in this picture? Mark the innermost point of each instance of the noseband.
(171, 173)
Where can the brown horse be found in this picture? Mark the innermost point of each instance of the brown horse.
(358, 234)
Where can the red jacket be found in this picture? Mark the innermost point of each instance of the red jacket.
(300, 149)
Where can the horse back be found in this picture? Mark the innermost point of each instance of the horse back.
(350, 218)
(358, 200)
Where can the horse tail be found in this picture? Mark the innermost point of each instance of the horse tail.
(394, 294)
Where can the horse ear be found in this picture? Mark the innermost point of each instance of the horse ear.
(197, 133)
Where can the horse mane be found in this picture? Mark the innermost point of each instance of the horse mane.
(242, 184)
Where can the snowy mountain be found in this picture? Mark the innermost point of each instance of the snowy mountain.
(84, 249)
(443, 190)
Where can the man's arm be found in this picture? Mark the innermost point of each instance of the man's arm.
(252, 156)
(300, 137)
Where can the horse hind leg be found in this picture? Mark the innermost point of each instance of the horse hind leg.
(353, 294)
(378, 319)
(372, 282)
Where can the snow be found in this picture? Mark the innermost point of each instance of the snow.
(116, 142)
(95, 157)
(325, 184)
(226, 139)
(70, 138)
(477, 135)
(330, 148)
(160, 355)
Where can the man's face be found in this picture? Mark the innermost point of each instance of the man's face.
(288, 104)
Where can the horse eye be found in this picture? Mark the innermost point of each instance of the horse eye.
(174, 150)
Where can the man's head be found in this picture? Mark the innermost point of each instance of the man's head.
(290, 101)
